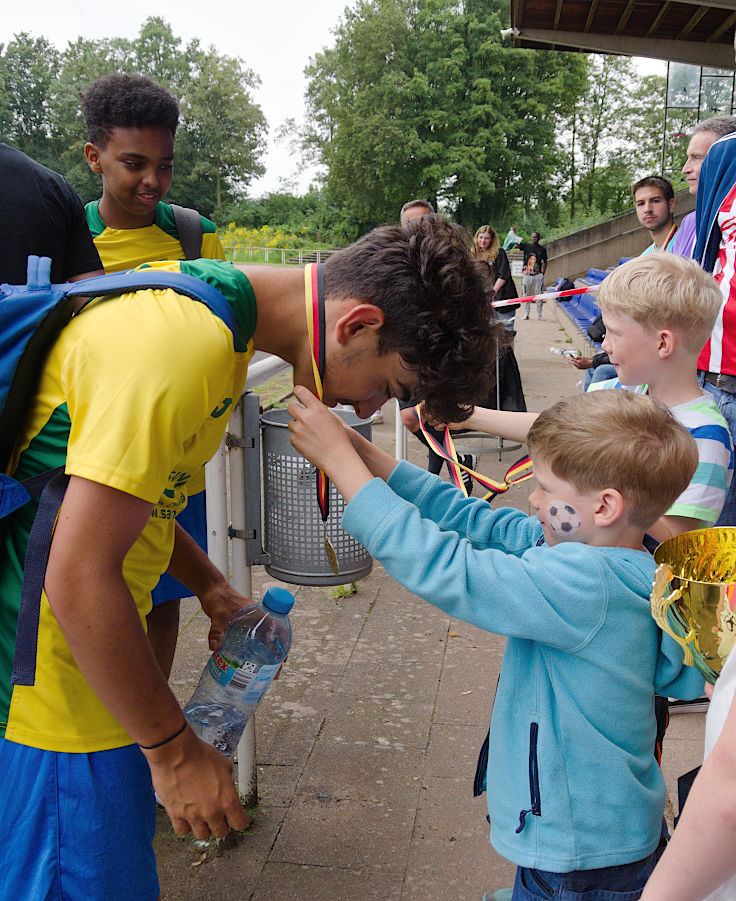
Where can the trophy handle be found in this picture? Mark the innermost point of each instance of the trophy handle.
(660, 602)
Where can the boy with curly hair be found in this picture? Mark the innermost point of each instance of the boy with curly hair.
(131, 124)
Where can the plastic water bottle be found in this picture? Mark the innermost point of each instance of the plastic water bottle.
(236, 677)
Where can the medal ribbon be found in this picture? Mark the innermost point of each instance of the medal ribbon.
(314, 296)
(517, 472)
(669, 237)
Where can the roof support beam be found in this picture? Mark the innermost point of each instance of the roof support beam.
(625, 16)
(722, 29)
(558, 11)
(696, 53)
(719, 4)
(660, 15)
(591, 14)
(694, 19)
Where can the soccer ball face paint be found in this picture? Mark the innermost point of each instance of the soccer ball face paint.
(565, 513)
(563, 519)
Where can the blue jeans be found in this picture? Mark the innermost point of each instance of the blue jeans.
(727, 405)
(622, 883)
(599, 374)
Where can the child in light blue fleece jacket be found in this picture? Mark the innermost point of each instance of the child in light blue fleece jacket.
(575, 795)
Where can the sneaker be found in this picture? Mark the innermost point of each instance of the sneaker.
(527, 316)
(697, 705)
(502, 894)
(471, 461)
(377, 417)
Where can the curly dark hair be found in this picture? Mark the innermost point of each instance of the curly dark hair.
(436, 311)
(126, 101)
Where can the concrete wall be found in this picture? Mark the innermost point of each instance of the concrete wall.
(604, 244)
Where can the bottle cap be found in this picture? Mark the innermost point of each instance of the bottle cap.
(279, 600)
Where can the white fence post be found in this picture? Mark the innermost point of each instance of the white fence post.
(399, 436)
(218, 546)
(216, 484)
(242, 582)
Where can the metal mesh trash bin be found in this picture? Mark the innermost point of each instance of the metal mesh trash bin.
(292, 526)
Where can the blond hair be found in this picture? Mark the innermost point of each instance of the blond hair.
(491, 252)
(663, 290)
(617, 439)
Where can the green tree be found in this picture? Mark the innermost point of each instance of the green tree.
(29, 70)
(222, 136)
(420, 97)
(157, 53)
(643, 124)
(612, 136)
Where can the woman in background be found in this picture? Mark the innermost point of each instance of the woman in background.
(486, 247)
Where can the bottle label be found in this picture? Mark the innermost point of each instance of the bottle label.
(248, 681)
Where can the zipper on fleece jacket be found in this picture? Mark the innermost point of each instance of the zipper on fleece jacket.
(536, 808)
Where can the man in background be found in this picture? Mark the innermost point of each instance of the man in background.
(532, 277)
(654, 202)
(705, 134)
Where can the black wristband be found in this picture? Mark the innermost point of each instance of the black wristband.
(166, 740)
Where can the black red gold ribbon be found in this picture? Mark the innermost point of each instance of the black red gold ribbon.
(516, 473)
(314, 297)
(314, 294)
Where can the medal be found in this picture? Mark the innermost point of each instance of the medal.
(517, 472)
(314, 296)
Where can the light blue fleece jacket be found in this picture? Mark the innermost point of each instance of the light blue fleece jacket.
(572, 780)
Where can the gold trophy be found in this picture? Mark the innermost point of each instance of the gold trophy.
(693, 595)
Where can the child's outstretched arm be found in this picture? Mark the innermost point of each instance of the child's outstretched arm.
(323, 439)
(504, 423)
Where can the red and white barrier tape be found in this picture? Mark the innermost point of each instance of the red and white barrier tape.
(550, 295)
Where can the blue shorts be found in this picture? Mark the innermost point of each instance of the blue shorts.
(77, 827)
(193, 518)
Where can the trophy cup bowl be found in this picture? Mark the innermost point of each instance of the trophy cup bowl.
(694, 593)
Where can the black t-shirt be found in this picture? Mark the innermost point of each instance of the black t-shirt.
(533, 256)
(41, 215)
(500, 268)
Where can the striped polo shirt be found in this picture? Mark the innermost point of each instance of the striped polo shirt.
(704, 497)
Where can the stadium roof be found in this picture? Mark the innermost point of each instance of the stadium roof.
(700, 32)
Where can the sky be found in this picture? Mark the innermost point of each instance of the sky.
(276, 42)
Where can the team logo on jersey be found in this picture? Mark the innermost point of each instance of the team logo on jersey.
(178, 479)
(221, 408)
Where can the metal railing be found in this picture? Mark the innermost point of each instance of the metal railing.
(296, 255)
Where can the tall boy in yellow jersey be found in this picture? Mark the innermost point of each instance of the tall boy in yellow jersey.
(130, 402)
(131, 123)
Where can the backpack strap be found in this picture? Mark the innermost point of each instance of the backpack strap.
(140, 279)
(189, 228)
(54, 484)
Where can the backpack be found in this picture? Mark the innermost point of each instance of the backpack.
(189, 228)
(31, 317)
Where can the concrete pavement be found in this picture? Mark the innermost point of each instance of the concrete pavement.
(366, 745)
